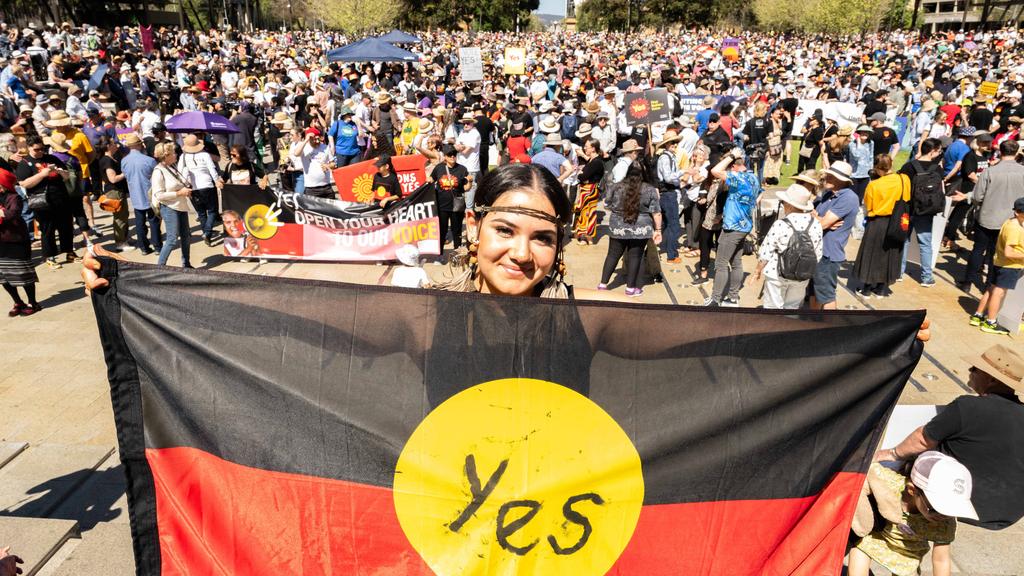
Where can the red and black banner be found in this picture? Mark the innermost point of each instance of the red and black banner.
(278, 426)
(268, 223)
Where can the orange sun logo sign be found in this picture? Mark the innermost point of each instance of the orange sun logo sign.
(639, 108)
(362, 188)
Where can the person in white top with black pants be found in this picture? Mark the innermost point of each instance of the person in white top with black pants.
(196, 165)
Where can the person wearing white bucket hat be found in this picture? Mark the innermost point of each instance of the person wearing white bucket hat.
(918, 510)
(411, 274)
(790, 251)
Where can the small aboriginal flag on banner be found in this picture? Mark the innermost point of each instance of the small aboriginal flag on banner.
(275, 426)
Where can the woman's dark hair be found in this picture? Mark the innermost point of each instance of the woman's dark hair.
(34, 140)
(243, 153)
(448, 150)
(930, 144)
(105, 142)
(509, 177)
(633, 183)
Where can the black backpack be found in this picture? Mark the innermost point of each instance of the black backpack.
(927, 196)
(798, 261)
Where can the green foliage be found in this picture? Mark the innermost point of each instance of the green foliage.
(595, 15)
(829, 16)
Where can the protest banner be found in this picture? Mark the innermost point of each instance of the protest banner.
(693, 103)
(471, 65)
(273, 224)
(647, 107)
(339, 429)
(355, 182)
(846, 113)
(515, 60)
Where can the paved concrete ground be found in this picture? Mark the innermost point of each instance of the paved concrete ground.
(57, 441)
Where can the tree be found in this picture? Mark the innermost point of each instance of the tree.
(601, 15)
(356, 16)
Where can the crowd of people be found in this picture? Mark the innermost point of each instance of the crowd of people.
(83, 113)
(82, 125)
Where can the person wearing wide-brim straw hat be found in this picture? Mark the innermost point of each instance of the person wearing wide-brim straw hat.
(809, 179)
(204, 178)
(666, 140)
(796, 205)
(584, 130)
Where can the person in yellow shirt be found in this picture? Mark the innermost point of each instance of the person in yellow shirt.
(878, 260)
(1007, 268)
(79, 147)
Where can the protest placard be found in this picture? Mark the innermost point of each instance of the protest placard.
(471, 65)
(515, 60)
(647, 107)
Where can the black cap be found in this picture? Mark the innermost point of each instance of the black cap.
(1018, 205)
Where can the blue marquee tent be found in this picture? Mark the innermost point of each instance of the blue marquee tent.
(370, 50)
(396, 36)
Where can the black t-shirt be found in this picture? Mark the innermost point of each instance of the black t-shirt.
(450, 182)
(389, 183)
(973, 163)
(884, 139)
(872, 106)
(981, 118)
(53, 186)
(106, 162)
(986, 434)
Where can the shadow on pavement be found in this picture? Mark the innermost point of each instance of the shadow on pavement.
(91, 502)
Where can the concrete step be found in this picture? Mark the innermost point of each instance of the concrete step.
(8, 451)
(106, 549)
(36, 540)
(39, 480)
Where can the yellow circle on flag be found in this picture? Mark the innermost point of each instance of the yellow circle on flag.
(519, 476)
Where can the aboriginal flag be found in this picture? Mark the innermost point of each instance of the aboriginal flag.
(278, 426)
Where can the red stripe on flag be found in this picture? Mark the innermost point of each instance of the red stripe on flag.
(792, 536)
(218, 517)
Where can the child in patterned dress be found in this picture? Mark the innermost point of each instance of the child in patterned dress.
(937, 492)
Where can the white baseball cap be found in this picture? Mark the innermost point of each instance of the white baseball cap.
(946, 483)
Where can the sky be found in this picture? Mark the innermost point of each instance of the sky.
(556, 7)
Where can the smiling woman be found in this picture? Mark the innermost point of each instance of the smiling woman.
(517, 233)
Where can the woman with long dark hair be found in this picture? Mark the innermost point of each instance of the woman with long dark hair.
(242, 170)
(584, 227)
(635, 218)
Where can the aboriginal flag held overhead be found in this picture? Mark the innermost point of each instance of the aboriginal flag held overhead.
(274, 426)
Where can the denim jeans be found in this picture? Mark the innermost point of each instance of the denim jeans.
(471, 193)
(922, 226)
(147, 225)
(205, 202)
(176, 224)
(671, 230)
(300, 183)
